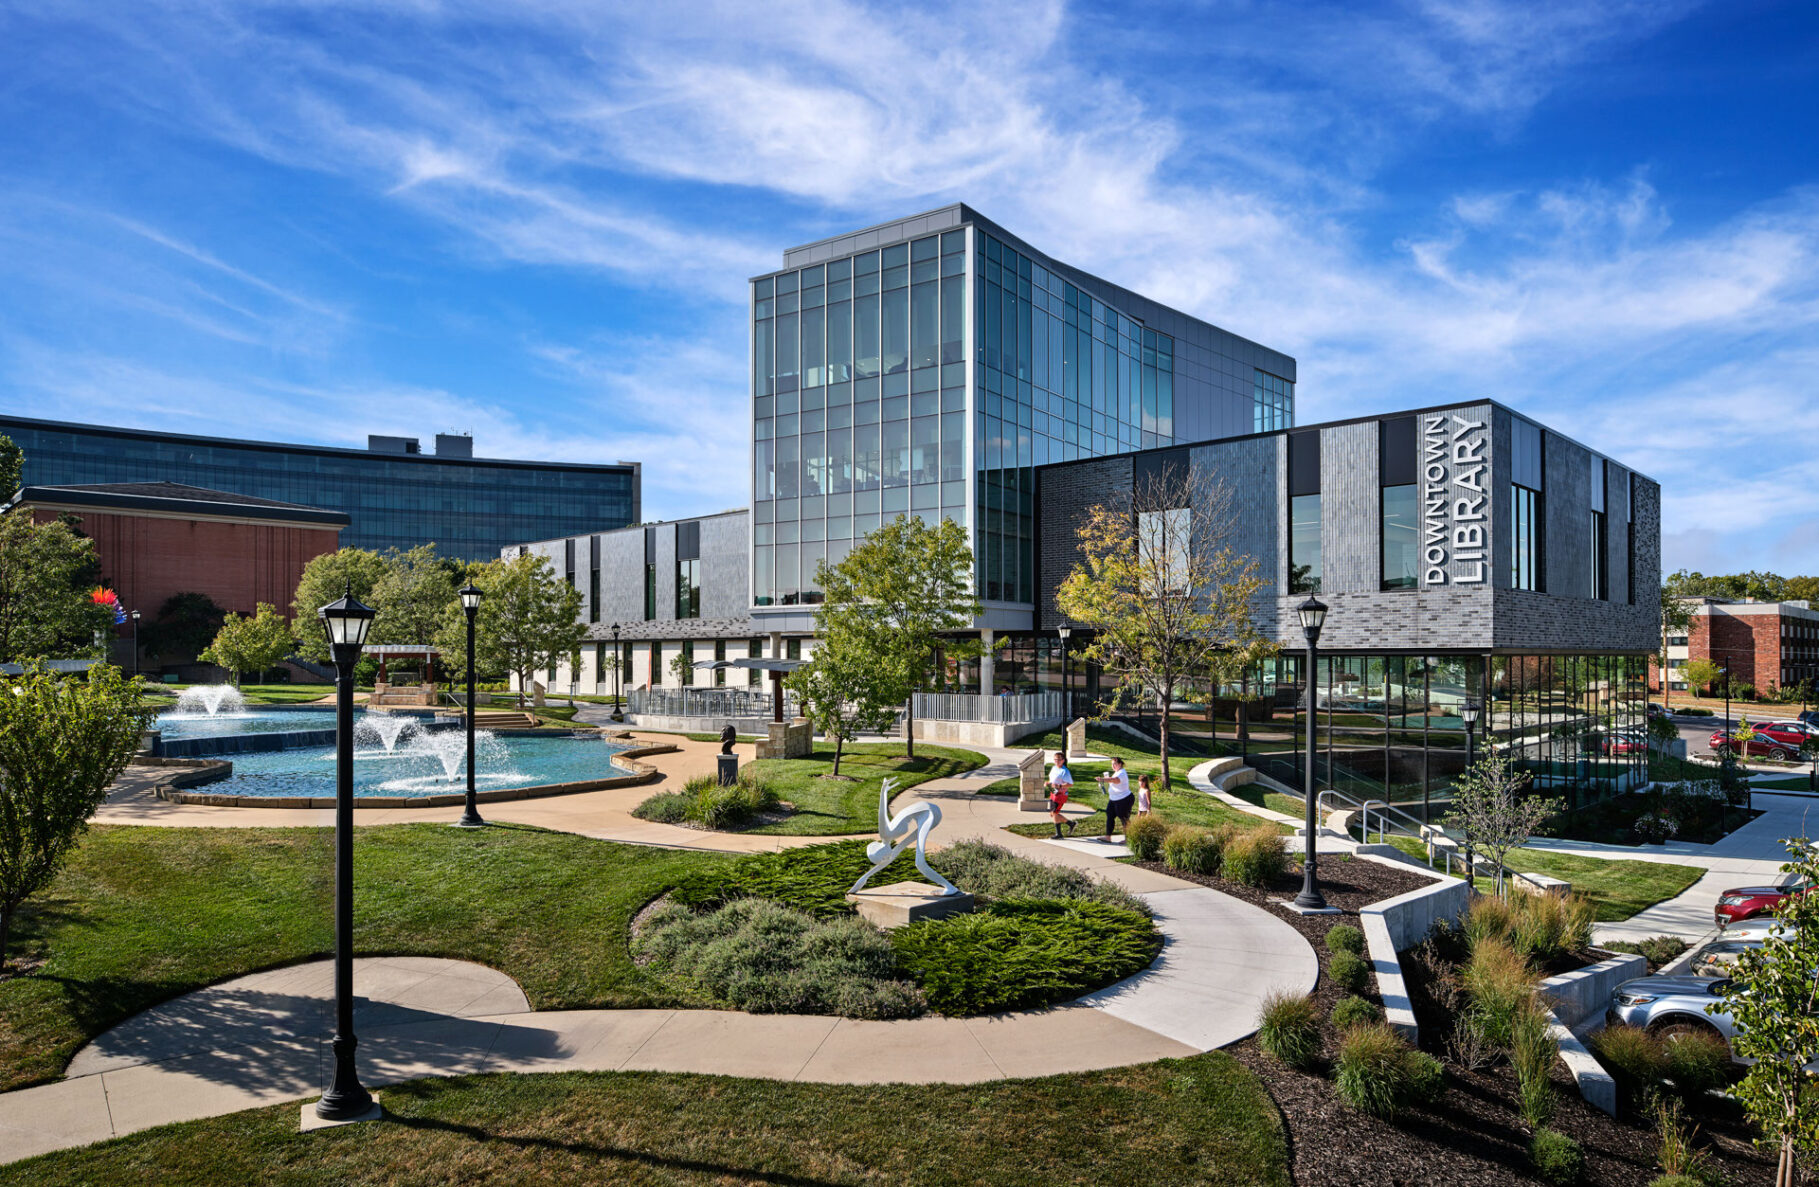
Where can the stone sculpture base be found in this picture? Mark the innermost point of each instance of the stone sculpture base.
(1032, 790)
(907, 902)
(728, 768)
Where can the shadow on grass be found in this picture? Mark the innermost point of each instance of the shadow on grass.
(601, 1150)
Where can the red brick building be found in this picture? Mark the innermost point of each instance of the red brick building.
(156, 539)
(1766, 644)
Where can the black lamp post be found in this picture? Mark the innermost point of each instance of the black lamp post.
(1067, 690)
(618, 677)
(1313, 617)
(135, 644)
(1470, 716)
(347, 622)
(470, 606)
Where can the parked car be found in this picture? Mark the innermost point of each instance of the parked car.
(1622, 742)
(1657, 710)
(1811, 717)
(1760, 744)
(1669, 1005)
(1794, 733)
(1747, 902)
(1758, 929)
(1716, 958)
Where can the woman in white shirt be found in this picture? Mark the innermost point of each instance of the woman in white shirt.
(1060, 783)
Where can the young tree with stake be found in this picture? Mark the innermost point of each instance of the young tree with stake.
(1490, 807)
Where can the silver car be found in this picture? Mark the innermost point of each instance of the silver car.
(1668, 1005)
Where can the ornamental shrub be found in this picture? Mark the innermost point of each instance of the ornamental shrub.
(1191, 849)
(1635, 1060)
(1533, 1051)
(1487, 918)
(1144, 835)
(1676, 1181)
(991, 871)
(1288, 1027)
(768, 959)
(1697, 1061)
(1499, 983)
(1657, 950)
(1256, 857)
(1655, 828)
(1557, 1158)
(1378, 1073)
(1355, 1011)
(1545, 927)
(1350, 973)
(702, 801)
(1024, 953)
(1343, 937)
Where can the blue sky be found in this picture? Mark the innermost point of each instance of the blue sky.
(533, 220)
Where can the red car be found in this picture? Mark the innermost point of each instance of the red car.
(1747, 902)
(1761, 744)
(1788, 733)
(1622, 743)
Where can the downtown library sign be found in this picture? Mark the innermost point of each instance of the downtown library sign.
(1456, 500)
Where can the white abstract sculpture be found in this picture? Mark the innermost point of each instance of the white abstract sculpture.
(895, 832)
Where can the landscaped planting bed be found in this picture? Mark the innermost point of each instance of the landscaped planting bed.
(773, 933)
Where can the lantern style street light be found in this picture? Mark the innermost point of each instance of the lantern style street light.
(1313, 618)
(1470, 715)
(346, 622)
(618, 677)
(471, 595)
(1067, 689)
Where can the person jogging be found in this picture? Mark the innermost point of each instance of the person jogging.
(1118, 798)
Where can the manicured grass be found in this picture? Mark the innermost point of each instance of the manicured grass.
(1617, 888)
(1198, 1121)
(1012, 787)
(834, 807)
(141, 915)
(1803, 783)
(1177, 804)
(1263, 797)
(264, 694)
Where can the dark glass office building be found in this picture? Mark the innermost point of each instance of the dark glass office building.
(395, 496)
(930, 364)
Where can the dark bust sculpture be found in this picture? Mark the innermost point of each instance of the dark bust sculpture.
(727, 738)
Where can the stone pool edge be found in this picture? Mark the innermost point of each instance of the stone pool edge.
(203, 771)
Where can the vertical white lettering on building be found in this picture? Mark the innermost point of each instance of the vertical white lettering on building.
(1455, 500)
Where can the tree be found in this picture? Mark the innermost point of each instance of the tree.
(186, 624)
(62, 742)
(1771, 1000)
(903, 588)
(412, 594)
(251, 643)
(1661, 731)
(1167, 599)
(1700, 674)
(1491, 809)
(529, 620)
(46, 573)
(1802, 589)
(12, 467)
(1676, 619)
(326, 578)
(844, 688)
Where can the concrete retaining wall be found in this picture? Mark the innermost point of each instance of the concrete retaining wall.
(1400, 923)
(1595, 1084)
(980, 733)
(1586, 993)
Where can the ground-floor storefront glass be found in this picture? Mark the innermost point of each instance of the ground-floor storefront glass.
(1389, 726)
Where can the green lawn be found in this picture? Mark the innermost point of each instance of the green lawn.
(1618, 888)
(1802, 783)
(1263, 797)
(834, 807)
(1202, 1120)
(1179, 803)
(264, 694)
(143, 914)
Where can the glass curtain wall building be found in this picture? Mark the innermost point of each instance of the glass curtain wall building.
(394, 496)
(927, 366)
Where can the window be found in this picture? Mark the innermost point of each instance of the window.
(650, 592)
(593, 579)
(1399, 504)
(1304, 544)
(1525, 538)
(655, 676)
(1304, 512)
(1600, 566)
(1401, 536)
(1273, 403)
(720, 658)
(688, 589)
(688, 663)
(754, 648)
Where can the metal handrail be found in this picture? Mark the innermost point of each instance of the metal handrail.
(1422, 831)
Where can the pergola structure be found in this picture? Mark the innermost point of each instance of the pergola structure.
(425, 651)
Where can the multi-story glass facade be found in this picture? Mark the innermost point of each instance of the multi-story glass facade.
(927, 366)
(468, 507)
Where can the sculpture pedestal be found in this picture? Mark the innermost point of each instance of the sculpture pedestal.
(906, 902)
(728, 768)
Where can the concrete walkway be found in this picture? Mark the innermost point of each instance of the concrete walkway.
(263, 1038)
(1749, 856)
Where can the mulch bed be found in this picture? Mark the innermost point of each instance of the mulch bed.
(1474, 1135)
